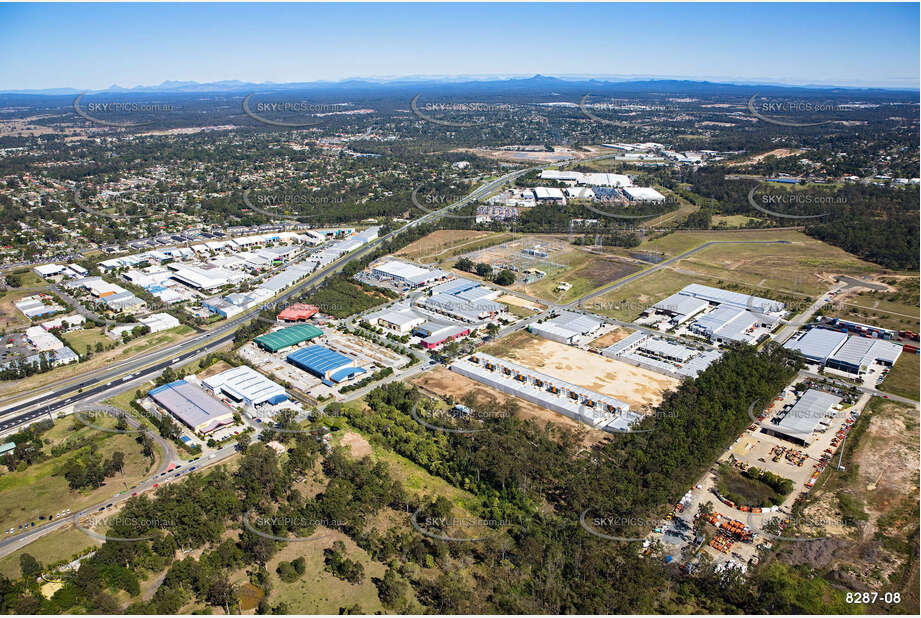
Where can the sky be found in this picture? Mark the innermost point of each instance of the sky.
(94, 46)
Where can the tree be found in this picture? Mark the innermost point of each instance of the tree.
(505, 277)
(243, 441)
(465, 264)
(29, 566)
(484, 270)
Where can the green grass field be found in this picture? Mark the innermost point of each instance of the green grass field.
(903, 378)
(79, 340)
(38, 490)
(58, 545)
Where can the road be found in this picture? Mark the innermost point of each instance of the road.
(622, 282)
(148, 366)
(864, 389)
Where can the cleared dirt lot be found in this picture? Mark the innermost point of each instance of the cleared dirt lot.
(442, 381)
(634, 385)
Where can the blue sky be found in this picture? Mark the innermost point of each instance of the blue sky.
(95, 46)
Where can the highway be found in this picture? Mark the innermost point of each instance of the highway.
(149, 365)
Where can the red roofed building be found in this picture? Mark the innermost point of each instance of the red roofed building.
(297, 313)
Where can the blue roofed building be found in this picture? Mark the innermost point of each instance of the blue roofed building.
(328, 365)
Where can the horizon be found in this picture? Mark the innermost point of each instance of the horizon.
(141, 45)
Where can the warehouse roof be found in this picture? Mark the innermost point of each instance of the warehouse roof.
(741, 301)
(817, 344)
(244, 382)
(345, 373)
(288, 337)
(192, 405)
(316, 358)
(855, 351)
(681, 304)
(805, 415)
(298, 311)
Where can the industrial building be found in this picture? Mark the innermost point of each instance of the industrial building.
(549, 195)
(65, 323)
(404, 272)
(433, 335)
(400, 320)
(727, 323)
(205, 277)
(566, 327)
(463, 300)
(328, 365)
(298, 312)
(247, 386)
(42, 340)
(806, 416)
(38, 305)
(594, 409)
(659, 354)
(717, 296)
(285, 338)
(643, 194)
(848, 353)
(680, 307)
(192, 406)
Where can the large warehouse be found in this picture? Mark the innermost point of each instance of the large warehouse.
(326, 364)
(837, 350)
(566, 327)
(245, 385)
(192, 406)
(407, 273)
(463, 300)
(804, 417)
(287, 337)
(581, 404)
(732, 299)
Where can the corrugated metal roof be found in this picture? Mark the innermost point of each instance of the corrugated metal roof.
(855, 351)
(681, 304)
(805, 415)
(192, 405)
(817, 344)
(287, 337)
(317, 359)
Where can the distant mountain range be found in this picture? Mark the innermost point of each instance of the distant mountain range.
(537, 83)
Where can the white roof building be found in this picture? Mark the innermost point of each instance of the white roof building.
(643, 194)
(245, 385)
(42, 340)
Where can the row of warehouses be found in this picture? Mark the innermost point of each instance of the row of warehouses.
(720, 315)
(584, 405)
(566, 327)
(660, 354)
(849, 353)
(200, 409)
